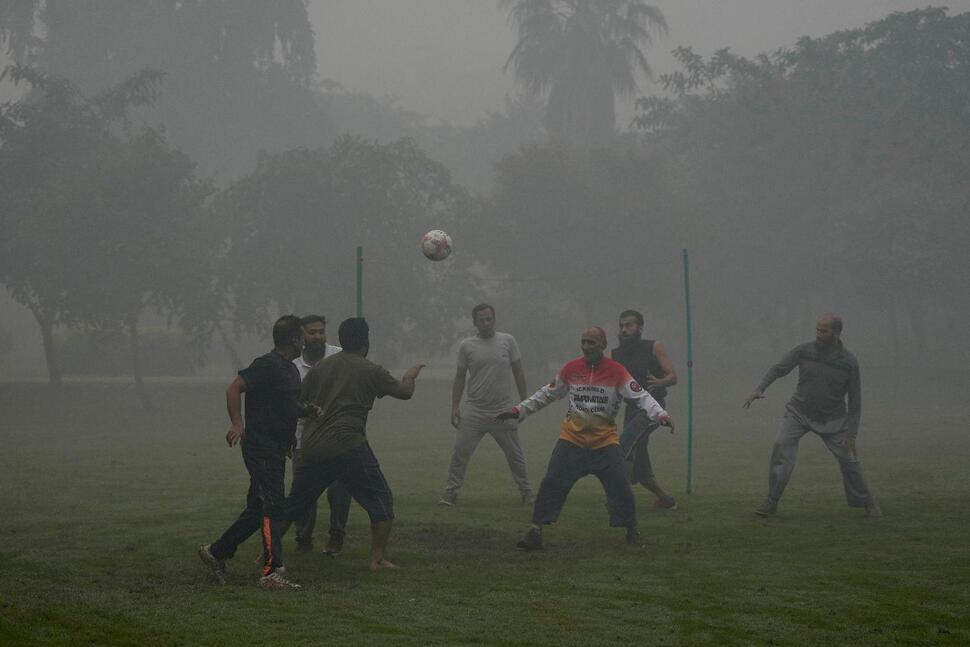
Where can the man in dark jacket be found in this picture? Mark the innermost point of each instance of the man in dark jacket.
(828, 376)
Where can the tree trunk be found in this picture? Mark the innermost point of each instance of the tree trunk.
(894, 333)
(135, 355)
(230, 348)
(46, 325)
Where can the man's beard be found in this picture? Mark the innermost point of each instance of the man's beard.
(315, 350)
(629, 340)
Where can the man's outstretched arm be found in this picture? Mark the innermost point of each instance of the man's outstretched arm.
(547, 394)
(404, 389)
(784, 366)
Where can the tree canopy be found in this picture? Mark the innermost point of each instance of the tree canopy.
(294, 224)
(100, 222)
(580, 54)
(237, 71)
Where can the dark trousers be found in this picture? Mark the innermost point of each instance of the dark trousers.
(359, 472)
(338, 499)
(568, 464)
(264, 507)
(633, 444)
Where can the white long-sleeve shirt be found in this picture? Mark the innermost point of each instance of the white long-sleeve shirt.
(595, 395)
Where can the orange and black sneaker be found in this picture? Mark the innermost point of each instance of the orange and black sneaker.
(277, 580)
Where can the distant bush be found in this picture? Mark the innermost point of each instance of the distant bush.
(99, 352)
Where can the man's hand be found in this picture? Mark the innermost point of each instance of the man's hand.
(755, 395)
(311, 410)
(666, 421)
(234, 435)
(508, 415)
(455, 417)
(413, 372)
(652, 383)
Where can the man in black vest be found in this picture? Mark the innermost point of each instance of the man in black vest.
(647, 362)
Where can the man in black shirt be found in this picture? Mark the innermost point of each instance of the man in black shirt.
(648, 363)
(828, 375)
(272, 387)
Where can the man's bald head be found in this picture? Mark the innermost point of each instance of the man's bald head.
(595, 332)
(593, 343)
(833, 320)
(828, 329)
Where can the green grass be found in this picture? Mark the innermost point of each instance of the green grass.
(104, 506)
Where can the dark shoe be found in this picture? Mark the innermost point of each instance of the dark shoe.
(768, 508)
(217, 566)
(528, 498)
(666, 503)
(532, 540)
(873, 509)
(634, 538)
(334, 545)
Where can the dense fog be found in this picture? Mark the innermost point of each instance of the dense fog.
(174, 175)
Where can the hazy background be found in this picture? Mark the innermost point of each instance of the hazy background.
(781, 228)
(445, 57)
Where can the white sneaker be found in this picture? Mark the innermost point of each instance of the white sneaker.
(277, 580)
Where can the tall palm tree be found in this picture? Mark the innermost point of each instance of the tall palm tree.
(581, 54)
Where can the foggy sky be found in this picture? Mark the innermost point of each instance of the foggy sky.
(445, 57)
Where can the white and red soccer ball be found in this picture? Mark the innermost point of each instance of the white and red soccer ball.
(436, 245)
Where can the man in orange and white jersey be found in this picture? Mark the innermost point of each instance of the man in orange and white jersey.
(589, 443)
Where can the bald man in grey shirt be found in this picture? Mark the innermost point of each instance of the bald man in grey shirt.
(828, 375)
(490, 359)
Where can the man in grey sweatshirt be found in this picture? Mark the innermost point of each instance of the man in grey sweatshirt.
(828, 375)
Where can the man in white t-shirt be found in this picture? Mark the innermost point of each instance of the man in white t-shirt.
(491, 360)
(315, 349)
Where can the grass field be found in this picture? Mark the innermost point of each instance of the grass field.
(103, 507)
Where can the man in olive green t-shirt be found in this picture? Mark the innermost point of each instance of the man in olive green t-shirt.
(334, 446)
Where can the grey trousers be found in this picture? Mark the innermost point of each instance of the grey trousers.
(835, 435)
(471, 430)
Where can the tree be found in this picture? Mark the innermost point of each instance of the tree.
(99, 223)
(293, 225)
(581, 54)
(829, 174)
(237, 71)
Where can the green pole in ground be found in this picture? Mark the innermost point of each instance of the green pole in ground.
(690, 379)
(360, 281)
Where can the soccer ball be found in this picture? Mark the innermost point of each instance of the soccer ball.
(436, 245)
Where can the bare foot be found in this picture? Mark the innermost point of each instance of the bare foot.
(382, 563)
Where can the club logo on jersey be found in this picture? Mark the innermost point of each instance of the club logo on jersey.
(635, 386)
